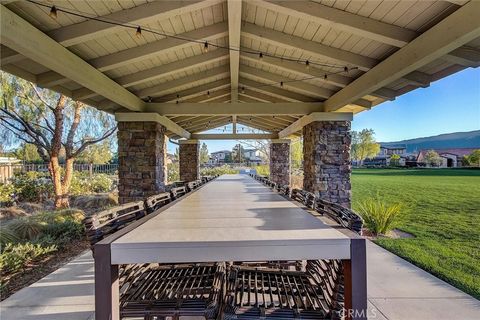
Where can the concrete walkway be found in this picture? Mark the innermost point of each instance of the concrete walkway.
(397, 290)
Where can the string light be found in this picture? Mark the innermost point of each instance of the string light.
(281, 84)
(307, 64)
(53, 12)
(138, 33)
(345, 69)
(208, 93)
(205, 47)
(325, 76)
(243, 89)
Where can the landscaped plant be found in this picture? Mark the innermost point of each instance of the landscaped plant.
(25, 228)
(262, 170)
(16, 256)
(218, 171)
(6, 192)
(7, 236)
(32, 186)
(378, 217)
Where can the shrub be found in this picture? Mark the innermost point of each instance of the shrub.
(218, 171)
(32, 186)
(60, 216)
(62, 232)
(83, 183)
(16, 256)
(6, 192)
(262, 170)
(378, 217)
(101, 183)
(94, 201)
(25, 228)
(7, 236)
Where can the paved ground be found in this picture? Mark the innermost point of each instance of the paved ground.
(397, 291)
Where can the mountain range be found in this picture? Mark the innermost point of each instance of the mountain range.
(469, 139)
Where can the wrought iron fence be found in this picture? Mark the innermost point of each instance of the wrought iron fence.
(7, 171)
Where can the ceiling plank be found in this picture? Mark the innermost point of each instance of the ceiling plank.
(231, 136)
(194, 91)
(343, 21)
(286, 41)
(260, 108)
(234, 25)
(275, 91)
(27, 40)
(459, 28)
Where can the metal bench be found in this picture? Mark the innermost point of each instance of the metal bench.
(285, 190)
(192, 185)
(150, 291)
(305, 197)
(253, 293)
(157, 201)
(106, 222)
(178, 192)
(343, 216)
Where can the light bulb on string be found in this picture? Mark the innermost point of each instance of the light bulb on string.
(281, 84)
(53, 12)
(307, 64)
(260, 56)
(208, 93)
(325, 77)
(138, 33)
(205, 47)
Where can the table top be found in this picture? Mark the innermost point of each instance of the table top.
(232, 218)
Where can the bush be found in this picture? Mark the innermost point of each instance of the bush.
(218, 171)
(378, 217)
(16, 256)
(32, 186)
(96, 202)
(25, 228)
(7, 236)
(62, 233)
(83, 183)
(262, 170)
(173, 172)
(6, 193)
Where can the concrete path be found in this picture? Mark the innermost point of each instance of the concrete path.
(397, 290)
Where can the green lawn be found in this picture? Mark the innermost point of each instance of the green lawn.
(442, 211)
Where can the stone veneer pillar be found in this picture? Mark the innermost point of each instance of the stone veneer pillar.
(280, 162)
(189, 160)
(141, 160)
(326, 160)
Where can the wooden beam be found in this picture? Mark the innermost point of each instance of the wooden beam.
(206, 109)
(234, 24)
(300, 86)
(152, 117)
(21, 36)
(277, 38)
(316, 116)
(459, 28)
(465, 56)
(194, 91)
(275, 91)
(238, 136)
(91, 29)
(342, 21)
(168, 86)
(213, 95)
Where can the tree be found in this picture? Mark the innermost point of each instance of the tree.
(28, 152)
(364, 145)
(99, 153)
(204, 155)
(262, 146)
(52, 123)
(394, 160)
(296, 152)
(432, 159)
(237, 153)
(473, 159)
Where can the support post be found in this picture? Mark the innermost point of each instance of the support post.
(280, 161)
(326, 160)
(141, 159)
(107, 300)
(189, 160)
(355, 274)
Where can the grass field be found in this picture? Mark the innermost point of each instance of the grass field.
(441, 209)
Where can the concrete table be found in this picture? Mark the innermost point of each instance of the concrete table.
(232, 218)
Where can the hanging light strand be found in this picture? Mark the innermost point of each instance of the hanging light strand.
(54, 10)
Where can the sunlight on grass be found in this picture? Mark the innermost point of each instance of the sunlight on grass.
(441, 208)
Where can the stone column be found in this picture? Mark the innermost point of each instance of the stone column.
(141, 160)
(280, 162)
(326, 160)
(189, 160)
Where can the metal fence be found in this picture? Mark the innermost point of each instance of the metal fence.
(7, 171)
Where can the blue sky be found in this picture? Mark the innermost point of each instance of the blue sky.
(448, 105)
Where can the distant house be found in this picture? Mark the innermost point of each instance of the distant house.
(219, 157)
(388, 150)
(252, 156)
(383, 158)
(451, 158)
